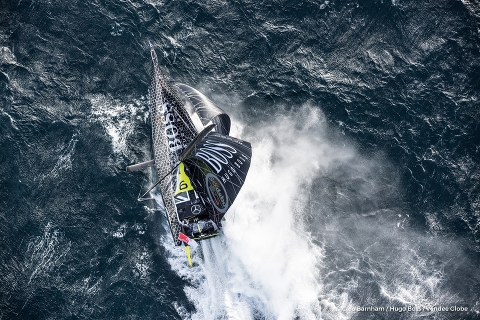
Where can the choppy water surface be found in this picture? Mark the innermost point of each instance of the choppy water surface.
(363, 196)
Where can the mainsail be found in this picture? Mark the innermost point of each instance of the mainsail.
(172, 131)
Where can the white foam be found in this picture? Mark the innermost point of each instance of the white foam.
(118, 119)
(265, 262)
(64, 162)
(7, 56)
(46, 252)
(269, 263)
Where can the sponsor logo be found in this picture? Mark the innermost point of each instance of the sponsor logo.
(215, 154)
(173, 133)
(216, 192)
(196, 209)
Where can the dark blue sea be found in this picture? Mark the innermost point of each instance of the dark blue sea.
(363, 196)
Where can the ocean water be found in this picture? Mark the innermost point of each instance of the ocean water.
(363, 197)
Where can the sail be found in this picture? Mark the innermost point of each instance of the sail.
(217, 169)
(172, 131)
(206, 110)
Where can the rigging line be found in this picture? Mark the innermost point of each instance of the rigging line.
(151, 198)
(186, 152)
(141, 187)
(156, 184)
(139, 191)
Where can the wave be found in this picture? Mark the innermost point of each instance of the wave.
(318, 230)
